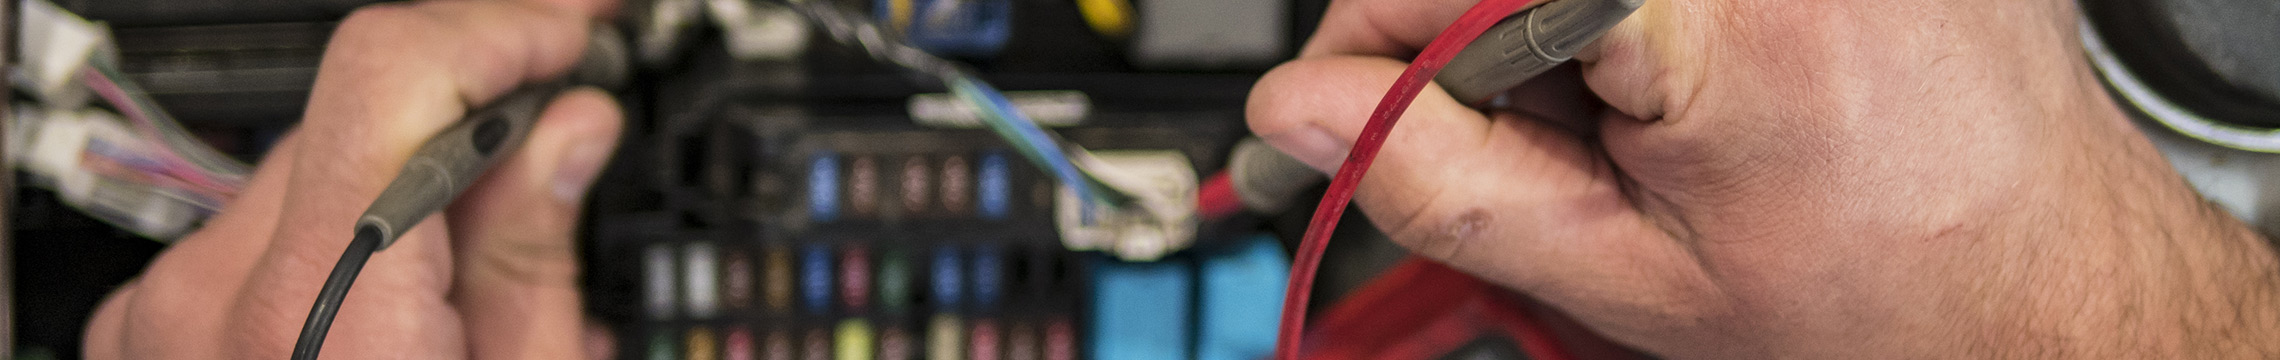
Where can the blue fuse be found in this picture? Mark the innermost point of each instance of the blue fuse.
(989, 276)
(948, 279)
(968, 28)
(823, 187)
(993, 191)
(815, 278)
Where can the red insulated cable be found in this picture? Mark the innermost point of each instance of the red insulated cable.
(1428, 63)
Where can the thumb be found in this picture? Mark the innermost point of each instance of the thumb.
(513, 233)
(1515, 201)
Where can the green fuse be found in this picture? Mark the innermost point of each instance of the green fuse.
(894, 281)
(661, 347)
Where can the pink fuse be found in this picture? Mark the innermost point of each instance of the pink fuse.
(985, 341)
(855, 278)
(738, 345)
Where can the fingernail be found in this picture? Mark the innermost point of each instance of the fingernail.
(1313, 145)
(578, 169)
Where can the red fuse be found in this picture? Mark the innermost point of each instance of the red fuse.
(855, 278)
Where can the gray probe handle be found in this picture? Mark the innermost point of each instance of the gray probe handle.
(1528, 43)
(451, 160)
(456, 156)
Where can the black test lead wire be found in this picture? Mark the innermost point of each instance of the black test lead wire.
(444, 166)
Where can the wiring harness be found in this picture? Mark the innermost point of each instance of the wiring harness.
(138, 169)
(1111, 203)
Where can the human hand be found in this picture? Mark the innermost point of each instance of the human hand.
(494, 276)
(1799, 179)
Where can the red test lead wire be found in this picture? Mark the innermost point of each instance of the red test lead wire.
(1420, 72)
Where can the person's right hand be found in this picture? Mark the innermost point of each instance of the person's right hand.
(1799, 179)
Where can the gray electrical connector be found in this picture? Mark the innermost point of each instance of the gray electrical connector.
(1527, 44)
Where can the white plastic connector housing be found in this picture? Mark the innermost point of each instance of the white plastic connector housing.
(759, 30)
(1047, 108)
(48, 144)
(1160, 220)
(55, 45)
(662, 28)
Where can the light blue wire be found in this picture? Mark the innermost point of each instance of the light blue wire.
(1002, 117)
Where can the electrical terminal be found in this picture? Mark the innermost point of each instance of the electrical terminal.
(53, 146)
(1159, 219)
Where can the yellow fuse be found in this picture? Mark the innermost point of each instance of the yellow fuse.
(1110, 18)
(776, 279)
(701, 345)
(898, 14)
(854, 340)
(945, 338)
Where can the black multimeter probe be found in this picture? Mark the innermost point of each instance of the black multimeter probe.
(445, 165)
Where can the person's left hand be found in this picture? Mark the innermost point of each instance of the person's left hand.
(494, 276)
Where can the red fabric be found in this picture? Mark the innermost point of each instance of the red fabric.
(1423, 310)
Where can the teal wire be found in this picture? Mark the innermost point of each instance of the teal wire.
(1033, 143)
(1027, 138)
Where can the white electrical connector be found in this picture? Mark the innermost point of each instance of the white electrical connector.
(48, 144)
(55, 45)
(58, 137)
(1048, 108)
(662, 28)
(1160, 219)
(51, 139)
(758, 30)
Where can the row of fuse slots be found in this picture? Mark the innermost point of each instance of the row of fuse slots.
(946, 337)
(955, 186)
(704, 280)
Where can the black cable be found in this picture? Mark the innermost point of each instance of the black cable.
(335, 289)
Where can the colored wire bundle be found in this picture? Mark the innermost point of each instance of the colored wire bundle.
(172, 151)
(1042, 148)
(1342, 185)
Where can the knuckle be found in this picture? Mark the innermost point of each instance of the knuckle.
(1269, 106)
(1440, 229)
(376, 20)
(385, 33)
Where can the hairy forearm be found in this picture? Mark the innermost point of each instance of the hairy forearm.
(2237, 311)
(2222, 278)
(2206, 285)
(2144, 268)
